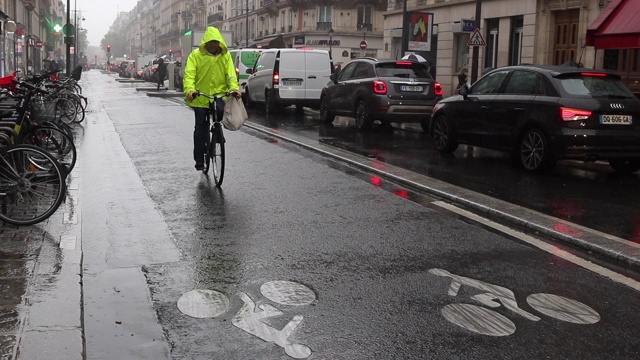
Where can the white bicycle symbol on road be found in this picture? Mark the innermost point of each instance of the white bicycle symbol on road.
(488, 322)
(211, 303)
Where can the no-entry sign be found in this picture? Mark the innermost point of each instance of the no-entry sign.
(363, 45)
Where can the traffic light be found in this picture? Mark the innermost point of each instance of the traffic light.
(108, 48)
(170, 52)
(57, 28)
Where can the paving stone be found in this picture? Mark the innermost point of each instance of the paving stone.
(7, 343)
(12, 290)
(16, 268)
(9, 320)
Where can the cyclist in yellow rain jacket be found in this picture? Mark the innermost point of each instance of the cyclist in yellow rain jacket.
(210, 69)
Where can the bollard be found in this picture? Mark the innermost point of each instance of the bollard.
(171, 75)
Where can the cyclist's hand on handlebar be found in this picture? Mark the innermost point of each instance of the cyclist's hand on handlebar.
(192, 95)
(235, 93)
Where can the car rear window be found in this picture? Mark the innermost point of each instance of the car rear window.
(594, 85)
(402, 69)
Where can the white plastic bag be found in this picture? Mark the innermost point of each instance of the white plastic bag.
(234, 114)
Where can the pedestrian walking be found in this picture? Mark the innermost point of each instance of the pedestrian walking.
(161, 72)
(210, 69)
(462, 78)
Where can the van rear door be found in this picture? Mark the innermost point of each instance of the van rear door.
(292, 74)
(318, 73)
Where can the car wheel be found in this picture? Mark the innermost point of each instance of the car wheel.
(625, 166)
(443, 135)
(364, 121)
(269, 106)
(534, 152)
(325, 115)
(247, 100)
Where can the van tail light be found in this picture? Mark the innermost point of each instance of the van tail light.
(569, 114)
(380, 87)
(437, 89)
(276, 78)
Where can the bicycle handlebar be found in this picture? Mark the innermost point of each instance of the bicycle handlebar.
(213, 97)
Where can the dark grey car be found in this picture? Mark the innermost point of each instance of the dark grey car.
(542, 114)
(387, 90)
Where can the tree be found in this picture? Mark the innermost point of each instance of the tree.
(118, 43)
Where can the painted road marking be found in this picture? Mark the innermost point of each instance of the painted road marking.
(488, 322)
(211, 303)
(544, 246)
(203, 304)
(68, 242)
(287, 293)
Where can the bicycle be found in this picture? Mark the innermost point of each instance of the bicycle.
(32, 184)
(214, 144)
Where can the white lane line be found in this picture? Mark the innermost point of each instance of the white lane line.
(544, 246)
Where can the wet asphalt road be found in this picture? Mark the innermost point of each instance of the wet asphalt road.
(589, 194)
(298, 256)
(360, 262)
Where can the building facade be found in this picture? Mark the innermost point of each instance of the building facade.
(510, 31)
(31, 32)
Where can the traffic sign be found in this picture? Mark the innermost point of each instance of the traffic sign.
(476, 39)
(363, 45)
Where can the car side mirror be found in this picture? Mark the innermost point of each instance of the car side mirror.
(334, 77)
(249, 71)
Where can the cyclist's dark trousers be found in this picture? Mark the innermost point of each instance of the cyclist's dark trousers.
(201, 130)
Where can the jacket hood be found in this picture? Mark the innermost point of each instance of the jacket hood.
(212, 33)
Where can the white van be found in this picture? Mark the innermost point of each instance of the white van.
(283, 77)
(244, 59)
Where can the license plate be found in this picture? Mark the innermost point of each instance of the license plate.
(616, 119)
(292, 83)
(411, 88)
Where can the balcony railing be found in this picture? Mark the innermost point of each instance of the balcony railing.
(324, 25)
(215, 17)
(365, 27)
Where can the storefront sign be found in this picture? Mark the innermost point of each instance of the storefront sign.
(38, 44)
(468, 25)
(323, 42)
(298, 40)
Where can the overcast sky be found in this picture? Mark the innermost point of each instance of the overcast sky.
(99, 15)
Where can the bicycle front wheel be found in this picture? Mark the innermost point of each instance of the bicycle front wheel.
(217, 155)
(207, 153)
(32, 185)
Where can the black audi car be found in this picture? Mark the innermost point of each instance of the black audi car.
(542, 114)
(372, 89)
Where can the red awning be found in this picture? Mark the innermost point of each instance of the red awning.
(617, 27)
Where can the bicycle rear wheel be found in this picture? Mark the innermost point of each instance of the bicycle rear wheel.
(32, 185)
(57, 143)
(217, 155)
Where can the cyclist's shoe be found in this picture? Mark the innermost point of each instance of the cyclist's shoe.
(199, 167)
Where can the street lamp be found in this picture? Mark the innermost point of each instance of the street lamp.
(330, 42)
